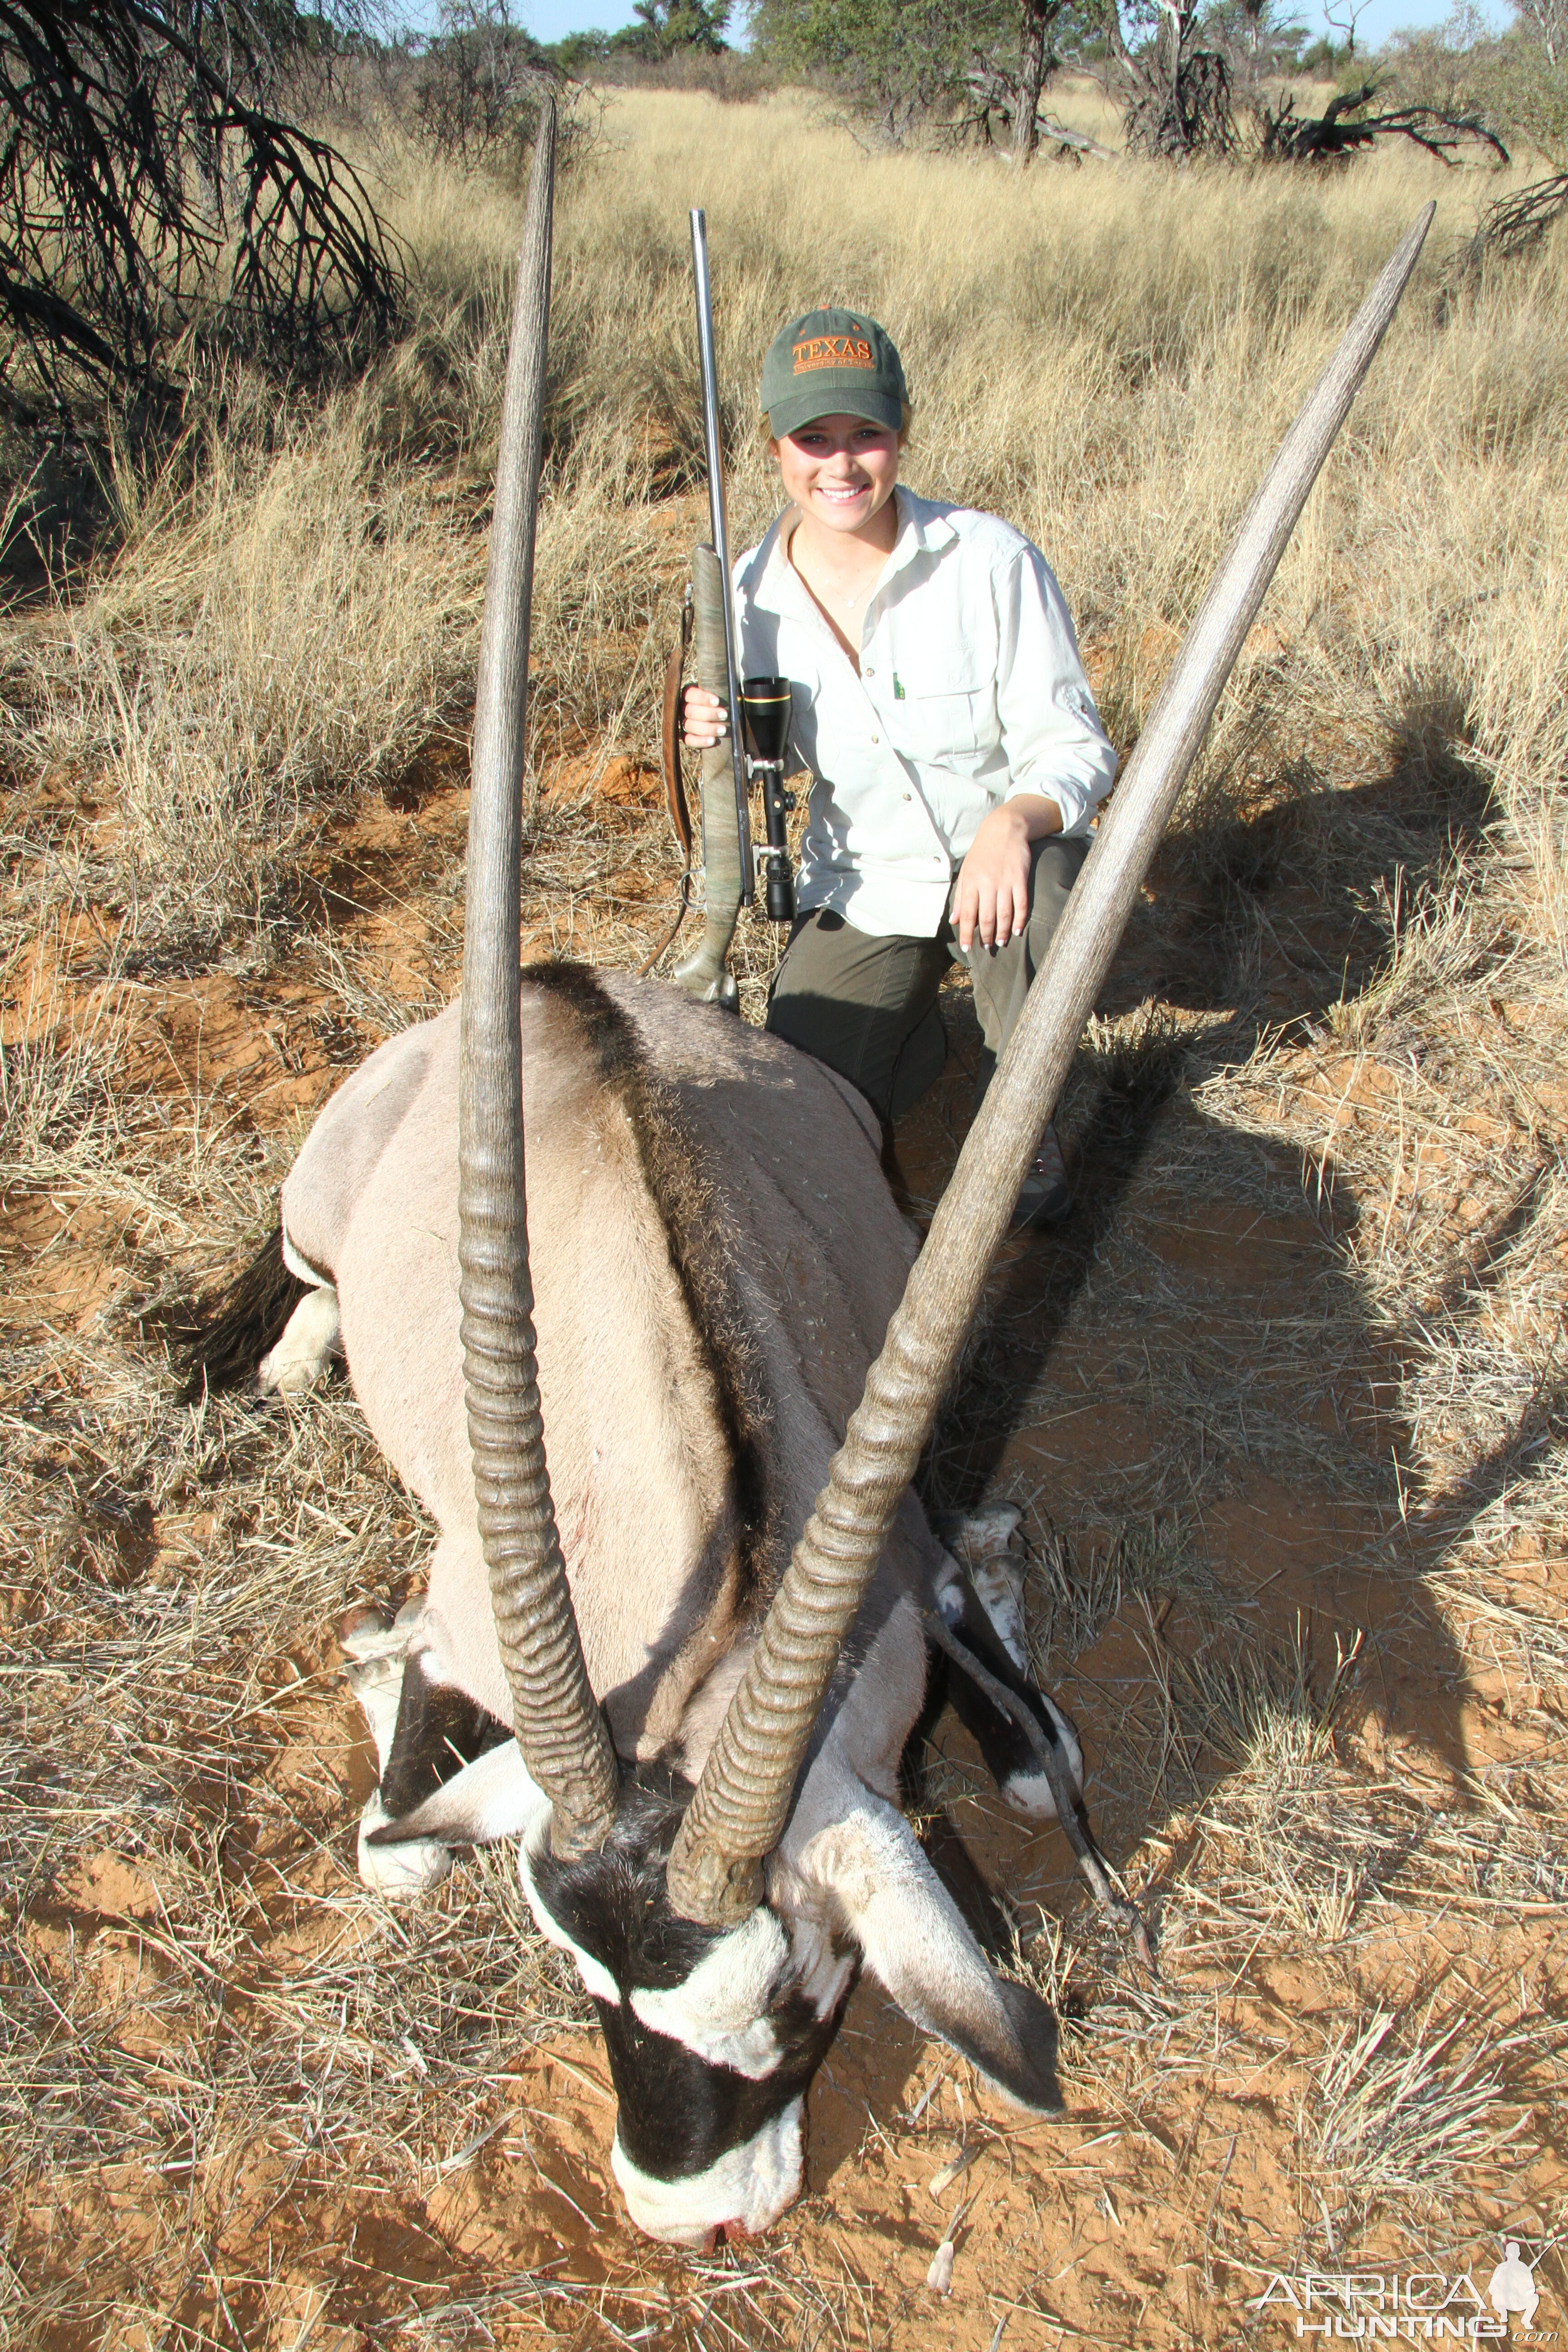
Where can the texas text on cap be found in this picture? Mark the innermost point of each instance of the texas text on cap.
(833, 364)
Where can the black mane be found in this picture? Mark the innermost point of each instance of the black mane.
(700, 1242)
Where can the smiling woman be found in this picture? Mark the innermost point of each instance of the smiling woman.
(941, 711)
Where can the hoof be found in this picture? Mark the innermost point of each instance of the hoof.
(312, 1337)
(364, 1631)
(986, 1545)
(975, 1536)
(403, 1870)
(376, 1681)
(282, 1374)
(999, 1589)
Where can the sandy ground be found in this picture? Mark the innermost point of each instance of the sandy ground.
(247, 2104)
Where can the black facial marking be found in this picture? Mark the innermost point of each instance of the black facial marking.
(1006, 1752)
(678, 2112)
(438, 1731)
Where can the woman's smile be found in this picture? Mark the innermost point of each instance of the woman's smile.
(842, 470)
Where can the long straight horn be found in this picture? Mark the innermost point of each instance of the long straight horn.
(738, 1812)
(560, 1729)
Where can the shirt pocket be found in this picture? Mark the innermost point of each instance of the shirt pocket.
(942, 712)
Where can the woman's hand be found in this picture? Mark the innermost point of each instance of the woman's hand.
(992, 895)
(703, 720)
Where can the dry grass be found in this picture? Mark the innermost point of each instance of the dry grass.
(1409, 2122)
(1283, 1405)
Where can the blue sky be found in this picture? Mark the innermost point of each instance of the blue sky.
(549, 19)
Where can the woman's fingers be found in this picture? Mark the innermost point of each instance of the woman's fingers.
(992, 901)
(993, 907)
(705, 722)
(985, 914)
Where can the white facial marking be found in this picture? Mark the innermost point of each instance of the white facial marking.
(720, 2009)
(750, 2186)
(597, 1981)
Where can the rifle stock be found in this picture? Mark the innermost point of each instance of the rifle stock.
(704, 975)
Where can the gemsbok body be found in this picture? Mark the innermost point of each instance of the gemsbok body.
(664, 1399)
(715, 1255)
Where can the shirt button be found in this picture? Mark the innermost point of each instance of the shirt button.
(876, 739)
(868, 671)
(909, 796)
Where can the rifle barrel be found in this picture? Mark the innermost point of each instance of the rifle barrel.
(720, 536)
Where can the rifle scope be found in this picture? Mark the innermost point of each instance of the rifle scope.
(765, 703)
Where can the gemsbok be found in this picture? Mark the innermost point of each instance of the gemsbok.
(682, 1665)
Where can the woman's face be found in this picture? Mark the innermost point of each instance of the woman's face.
(839, 470)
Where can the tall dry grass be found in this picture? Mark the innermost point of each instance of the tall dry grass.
(1105, 355)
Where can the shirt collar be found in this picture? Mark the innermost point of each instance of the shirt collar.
(923, 528)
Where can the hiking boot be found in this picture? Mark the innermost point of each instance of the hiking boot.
(1046, 1195)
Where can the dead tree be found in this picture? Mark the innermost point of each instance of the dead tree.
(992, 99)
(479, 84)
(1516, 225)
(1344, 127)
(1038, 22)
(1179, 101)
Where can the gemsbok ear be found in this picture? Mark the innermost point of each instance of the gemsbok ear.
(914, 1940)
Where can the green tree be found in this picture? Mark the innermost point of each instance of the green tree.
(666, 25)
(897, 62)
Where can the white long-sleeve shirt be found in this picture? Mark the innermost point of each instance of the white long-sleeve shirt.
(969, 692)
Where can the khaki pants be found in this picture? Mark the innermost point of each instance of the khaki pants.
(867, 1007)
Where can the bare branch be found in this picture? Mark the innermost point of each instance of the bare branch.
(140, 141)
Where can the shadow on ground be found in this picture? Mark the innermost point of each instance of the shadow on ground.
(1189, 1357)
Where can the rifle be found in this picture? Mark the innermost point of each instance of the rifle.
(708, 630)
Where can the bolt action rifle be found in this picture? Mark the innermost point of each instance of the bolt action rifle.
(761, 704)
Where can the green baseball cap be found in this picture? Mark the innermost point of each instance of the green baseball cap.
(833, 364)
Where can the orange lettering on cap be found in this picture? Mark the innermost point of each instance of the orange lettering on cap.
(831, 351)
